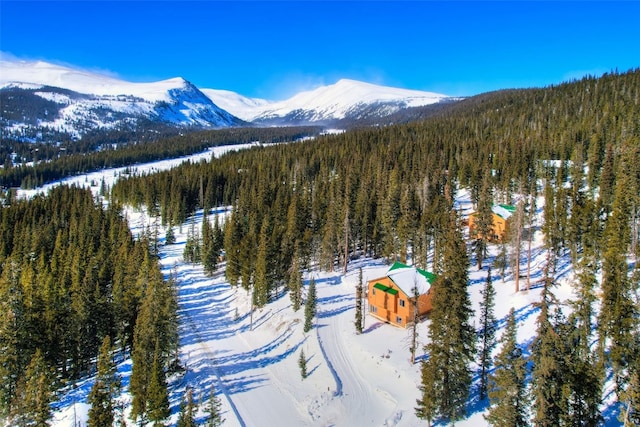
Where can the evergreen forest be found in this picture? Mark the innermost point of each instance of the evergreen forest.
(71, 273)
(71, 277)
(388, 192)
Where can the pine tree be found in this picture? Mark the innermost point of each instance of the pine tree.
(617, 318)
(157, 394)
(295, 285)
(302, 363)
(547, 377)
(214, 410)
(414, 323)
(232, 238)
(452, 339)
(483, 229)
(12, 333)
(170, 236)
(359, 292)
(515, 230)
(501, 261)
(507, 386)
(486, 334)
(262, 280)
(427, 405)
(155, 338)
(34, 394)
(192, 252)
(310, 306)
(186, 418)
(105, 389)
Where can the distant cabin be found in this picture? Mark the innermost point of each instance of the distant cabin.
(391, 298)
(500, 227)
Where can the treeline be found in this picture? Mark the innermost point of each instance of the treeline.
(71, 274)
(98, 154)
(388, 192)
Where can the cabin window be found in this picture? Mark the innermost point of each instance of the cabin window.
(373, 291)
(398, 320)
(373, 309)
(401, 303)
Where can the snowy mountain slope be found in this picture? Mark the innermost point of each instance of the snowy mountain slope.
(238, 105)
(344, 99)
(81, 101)
(85, 101)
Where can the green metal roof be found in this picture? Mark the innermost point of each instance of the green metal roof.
(386, 289)
(510, 208)
(426, 274)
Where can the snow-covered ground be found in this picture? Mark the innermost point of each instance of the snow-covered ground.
(252, 358)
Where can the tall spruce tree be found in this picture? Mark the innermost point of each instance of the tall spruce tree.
(214, 410)
(547, 377)
(186, 418)
(34, 394)
(452, 339)
(483, 230)
(486, 334)
(209, 250)
(105, 389)
(618, 314)
(310, 306)
(507, 384)
(427, 405)
(13, 337)
(359, 297)
(295, 284)
(302, 364)
(158, 408)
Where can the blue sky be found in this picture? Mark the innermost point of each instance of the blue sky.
(275, 49)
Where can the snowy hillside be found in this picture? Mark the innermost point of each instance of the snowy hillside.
(238, 105)
(84, 101)
(79, 101)
(344, 99)
(252, 357)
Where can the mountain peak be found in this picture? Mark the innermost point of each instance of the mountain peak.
(345, 98)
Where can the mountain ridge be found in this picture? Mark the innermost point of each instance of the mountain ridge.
(80, 101)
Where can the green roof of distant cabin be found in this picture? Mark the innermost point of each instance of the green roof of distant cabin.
(504, 211)
(510, 208)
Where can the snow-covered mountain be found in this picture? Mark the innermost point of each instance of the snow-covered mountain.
(39, 95)
(48, 102)
(346, 99)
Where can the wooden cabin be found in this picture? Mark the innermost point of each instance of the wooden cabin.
(500, 227)
(391, 297)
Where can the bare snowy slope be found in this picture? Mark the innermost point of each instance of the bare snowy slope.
(80, 101)
(346, 99)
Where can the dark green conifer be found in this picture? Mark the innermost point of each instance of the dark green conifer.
(486, 335)
(295, 284)
(452, 339)
(310, 306)
(302, 363)
(34, 393)
(359, 298)
(507, 384)
(186, 418)
(170, 236)
(483, 220)
(157, 394)
(214, 410)
(105, 389)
